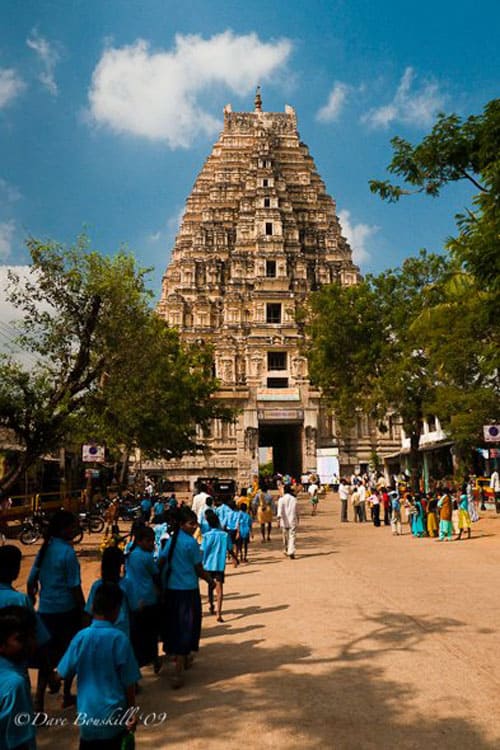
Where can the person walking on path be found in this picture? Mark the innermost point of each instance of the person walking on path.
(445, 506)
(432, 524)
(344, 500)
(374, 501)
(386, 503)
(396, 513)
(288, 519)
(142, 586)
(103, 661)
(265, 515)
(495, 486)
(464, 520)
(215, 546)
(55, 577)
(313, 491)
(180, 613)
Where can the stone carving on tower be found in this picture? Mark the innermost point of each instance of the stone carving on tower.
(259, 232)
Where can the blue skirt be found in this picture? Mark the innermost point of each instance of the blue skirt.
(181, 621)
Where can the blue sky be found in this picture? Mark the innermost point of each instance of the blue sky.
(109, 108)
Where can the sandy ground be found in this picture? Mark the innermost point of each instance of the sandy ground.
(364, 641)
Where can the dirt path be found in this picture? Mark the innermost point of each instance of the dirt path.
(364, 641)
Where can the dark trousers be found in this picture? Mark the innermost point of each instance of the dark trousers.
(343, 510)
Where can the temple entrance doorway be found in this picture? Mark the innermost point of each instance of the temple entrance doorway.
(281, 444)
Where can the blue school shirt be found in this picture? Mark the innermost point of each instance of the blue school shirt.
(59, 574)
(122, 622)
(15, 698)
(9, 596)
(244, 524)
(146, 505)
(140, 573)
(161, 535)
(186, 555)
(232, 519)
(215, 546)
(202, 520)
(103, 660)
(223, 512)
(159, 508)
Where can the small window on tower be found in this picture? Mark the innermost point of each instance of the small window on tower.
(276, 360)
(269, 227)
(271, 269)
(265, 182)
(273, 313)
(267, 202)
(277, 382)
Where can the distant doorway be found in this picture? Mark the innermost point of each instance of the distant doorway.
(284, 447)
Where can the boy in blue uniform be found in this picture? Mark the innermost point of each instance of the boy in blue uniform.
(10, 565)
(244, 530)
(215, 546)
(146, 507)
(17, 642)
(102, 658)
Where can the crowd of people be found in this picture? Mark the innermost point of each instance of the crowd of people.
(441, 513)
(148, 592)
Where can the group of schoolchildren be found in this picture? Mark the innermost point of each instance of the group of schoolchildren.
(147, 593)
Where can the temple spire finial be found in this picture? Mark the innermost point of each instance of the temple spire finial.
(258, 100)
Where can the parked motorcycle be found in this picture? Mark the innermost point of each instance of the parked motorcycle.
(33, 528)
(89, 522)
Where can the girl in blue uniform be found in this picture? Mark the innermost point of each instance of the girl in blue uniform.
(245, 523)
(55, 578)
(10, 565)
(111, 572)
(181, 566)
(142, 585)
(17, 642)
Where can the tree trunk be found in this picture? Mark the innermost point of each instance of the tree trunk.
(414, 463)
(13, 474)
(124, 468)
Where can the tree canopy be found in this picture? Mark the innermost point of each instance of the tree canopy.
(425, 338)
(106, 365)
(362, 351)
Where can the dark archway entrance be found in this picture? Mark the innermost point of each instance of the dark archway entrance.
(286, 443)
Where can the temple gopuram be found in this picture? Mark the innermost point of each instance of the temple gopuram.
(258, 234)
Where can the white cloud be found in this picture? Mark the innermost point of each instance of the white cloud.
(157, 95)
(7, 229)
(336, 101)
(8, 192)
(357, 236)
(10, 85)
(411, 107)
(48, 56)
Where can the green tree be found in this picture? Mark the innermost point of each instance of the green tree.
(460, 332)
(363, 352)
(157, 396)
(104, 360)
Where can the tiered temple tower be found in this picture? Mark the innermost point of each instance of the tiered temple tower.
(259, 232)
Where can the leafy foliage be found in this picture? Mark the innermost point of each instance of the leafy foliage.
(106, 365)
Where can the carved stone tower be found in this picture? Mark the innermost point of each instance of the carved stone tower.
(258, 233)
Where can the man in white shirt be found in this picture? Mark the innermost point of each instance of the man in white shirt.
(199, 500)
(344, 499)
(362, 501)
(495, 486)
(288, 519)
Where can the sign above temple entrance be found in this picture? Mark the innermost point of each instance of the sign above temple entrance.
(280, 415)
